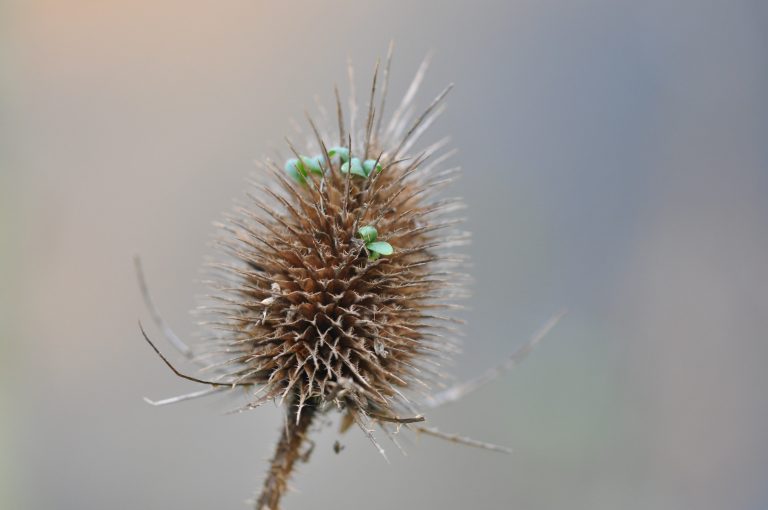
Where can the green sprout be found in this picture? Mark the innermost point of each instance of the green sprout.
(355, 166)
(367, 233)
(342, 152)
(368, 166)
(375, 248)
(363, 169)
(298, 169)
(314, 164)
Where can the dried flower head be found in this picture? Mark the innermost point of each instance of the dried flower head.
(342, 280)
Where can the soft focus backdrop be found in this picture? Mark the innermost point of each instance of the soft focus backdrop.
(616, 163)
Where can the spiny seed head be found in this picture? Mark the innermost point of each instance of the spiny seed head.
(343, 268)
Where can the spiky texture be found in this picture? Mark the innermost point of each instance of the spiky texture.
(309, 317)
(308, 312)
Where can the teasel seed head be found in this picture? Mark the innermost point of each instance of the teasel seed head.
(343, 270)
(341, 281)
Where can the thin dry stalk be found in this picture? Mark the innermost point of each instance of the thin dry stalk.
(287, 452)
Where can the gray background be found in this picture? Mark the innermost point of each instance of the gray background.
(615, 163)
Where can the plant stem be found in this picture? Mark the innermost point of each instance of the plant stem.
(287, 452)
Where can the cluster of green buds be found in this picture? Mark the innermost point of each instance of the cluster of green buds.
(300, 168)
(375, 248)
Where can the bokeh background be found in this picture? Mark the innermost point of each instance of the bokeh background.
(616, 163)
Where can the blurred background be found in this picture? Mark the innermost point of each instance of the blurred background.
(616, 163)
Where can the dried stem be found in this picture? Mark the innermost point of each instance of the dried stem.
(287, 452)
